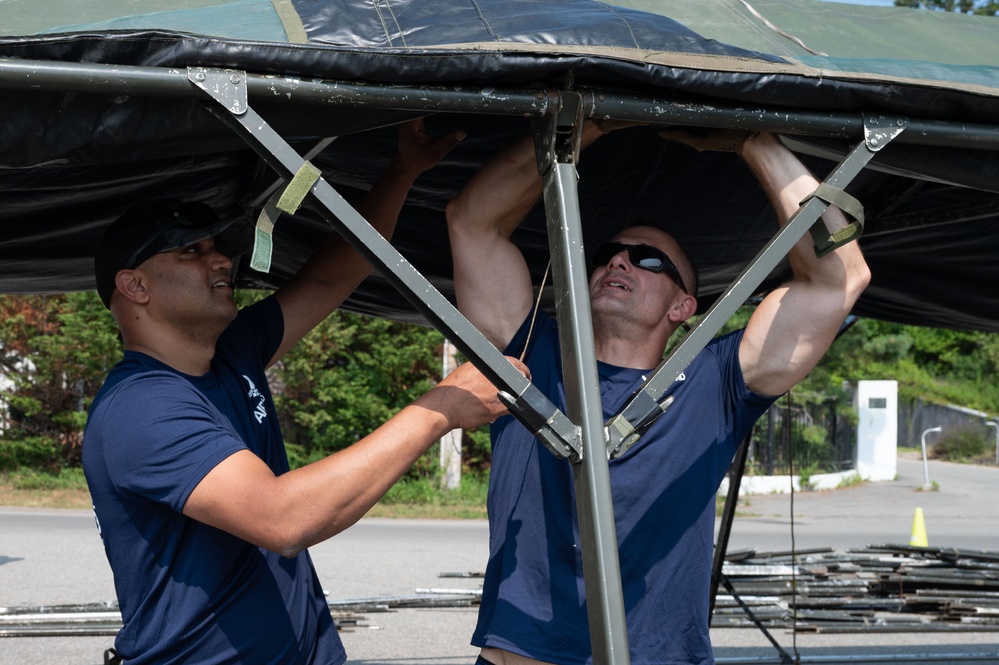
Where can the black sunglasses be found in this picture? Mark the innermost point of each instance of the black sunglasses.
(645, 257)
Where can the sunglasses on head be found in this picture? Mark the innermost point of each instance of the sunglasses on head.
(645, 257)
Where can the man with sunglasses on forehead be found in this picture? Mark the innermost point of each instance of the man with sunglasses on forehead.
(643, 286)
(204, 524)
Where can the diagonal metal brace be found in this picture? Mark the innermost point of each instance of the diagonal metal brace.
(528, 404)
(646, 404)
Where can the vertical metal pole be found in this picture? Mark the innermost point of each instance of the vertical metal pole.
(738, 467)
(594, 505)
(450, 443)
(771, 434)
(926, 466)
(996, 426)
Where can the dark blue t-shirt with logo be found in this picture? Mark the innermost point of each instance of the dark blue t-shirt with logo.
(663, 489)
(189, 592)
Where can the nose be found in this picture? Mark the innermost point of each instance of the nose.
(220, 261)
(621, 259)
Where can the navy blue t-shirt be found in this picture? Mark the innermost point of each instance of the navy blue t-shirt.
(663, 489)
(188, 592)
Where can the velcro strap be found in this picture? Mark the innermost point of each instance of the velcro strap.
(825, 241)
(263, 241)
(298, 188)
(289, 201)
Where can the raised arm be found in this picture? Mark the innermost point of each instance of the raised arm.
(305, 506)
(491, 279)
(793, 327)
(334, 270)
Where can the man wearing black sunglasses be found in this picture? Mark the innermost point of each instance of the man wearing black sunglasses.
(643, 286)
(203, 523)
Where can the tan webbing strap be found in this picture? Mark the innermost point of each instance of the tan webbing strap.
(825, 241)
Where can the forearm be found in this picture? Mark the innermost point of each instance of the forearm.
(335, 269)
(327, 497)
(504, 190)
(793, 327)
(289, 512)
(787, 182)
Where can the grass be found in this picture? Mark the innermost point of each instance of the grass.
(27, 488)
(850, 481)
(424, 498)
(408, 499)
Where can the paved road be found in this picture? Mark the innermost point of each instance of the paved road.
(55, 557)
(962, 513)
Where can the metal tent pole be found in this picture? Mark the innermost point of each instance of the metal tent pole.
(557, 142)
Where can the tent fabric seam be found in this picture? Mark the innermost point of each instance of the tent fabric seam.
(291, 21)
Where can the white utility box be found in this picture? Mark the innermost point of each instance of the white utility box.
(877, 429)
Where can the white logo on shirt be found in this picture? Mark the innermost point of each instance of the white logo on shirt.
(259, 412)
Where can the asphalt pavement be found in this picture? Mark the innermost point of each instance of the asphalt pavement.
(52, 557)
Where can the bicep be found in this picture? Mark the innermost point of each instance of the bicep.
(787, 335)
(492, 284)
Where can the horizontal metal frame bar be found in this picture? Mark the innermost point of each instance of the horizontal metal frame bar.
(839, 124)
(42, 75)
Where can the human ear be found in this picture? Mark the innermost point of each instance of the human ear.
(131, 285)
(684, 308)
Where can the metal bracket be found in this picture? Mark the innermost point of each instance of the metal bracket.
(880, 130)
(558, 136)
(531, 416)
(226, 86)
(625, 434)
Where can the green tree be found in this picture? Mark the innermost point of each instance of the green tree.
(988, 8)
(347, 377)
(932, 364)
(55, 351)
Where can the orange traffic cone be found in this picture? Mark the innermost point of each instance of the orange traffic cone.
(918, 537)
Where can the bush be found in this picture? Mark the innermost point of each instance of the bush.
(964, 443)
(40, 452)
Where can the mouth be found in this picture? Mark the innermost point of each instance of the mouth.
(614, 284)
(222, 283)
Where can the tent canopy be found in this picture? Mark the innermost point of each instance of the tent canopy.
(108, 103)
(75, 150)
